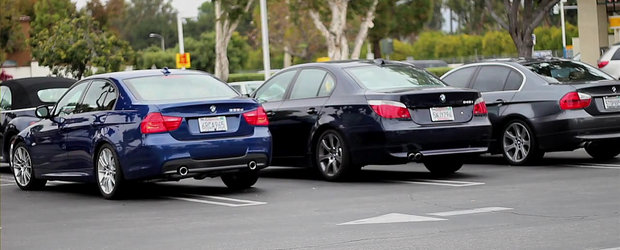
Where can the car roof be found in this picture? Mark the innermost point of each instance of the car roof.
(143, 73)
(350, 63)
(25, 87)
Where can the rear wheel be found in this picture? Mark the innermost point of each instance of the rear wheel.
(240, 180)
(444, 166)
(22, 169)
(519, 146)
(603, 150)
(109, 173)
(331, 157)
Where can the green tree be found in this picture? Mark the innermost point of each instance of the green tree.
(74, 44)
(228, 14)
(143, 17)
(497, 43)
(10, 32)
(424, 46)
(47, 13)
(204, 23)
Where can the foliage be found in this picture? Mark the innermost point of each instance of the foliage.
(143, 17)
(239, 77)
(204, 23)
(424, 47)
(438, 71)
(75, 44)
(10, 31)
(497, 43)
(48, 13)
(550, 38)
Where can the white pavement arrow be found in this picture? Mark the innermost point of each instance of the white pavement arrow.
(392, 218)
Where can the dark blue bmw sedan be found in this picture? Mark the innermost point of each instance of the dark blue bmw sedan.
(144, 125)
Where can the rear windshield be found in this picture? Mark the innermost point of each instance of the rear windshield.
(567, 71)
(375, 77)
(179, 87)
(51, 95)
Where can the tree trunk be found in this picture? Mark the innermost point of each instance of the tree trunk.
(363, 33)
(224, 28)
(335, 38)
(376, 47)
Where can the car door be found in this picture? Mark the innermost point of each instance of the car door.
(301, 109)
(48, 149)
(490, 81)
(80, 128)
(5, 107)
(270, 95)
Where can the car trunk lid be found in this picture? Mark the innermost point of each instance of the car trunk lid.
(605, 96)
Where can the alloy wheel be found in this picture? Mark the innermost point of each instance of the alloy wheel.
(517, 142)
(22, 166)
(330, 154)
(106, 167)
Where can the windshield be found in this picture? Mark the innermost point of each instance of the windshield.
(179, 87)
(567, 71)
(375, 77)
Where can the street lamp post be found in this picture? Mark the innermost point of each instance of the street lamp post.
(153, 35)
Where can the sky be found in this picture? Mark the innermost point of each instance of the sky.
(187, 8)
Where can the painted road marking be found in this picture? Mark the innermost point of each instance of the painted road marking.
(442, 182)
(597, 165)
(613, 248)
(471, 211)
(392, 218)
(217, 200)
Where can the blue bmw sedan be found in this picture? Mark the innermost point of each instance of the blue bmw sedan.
(144, 125)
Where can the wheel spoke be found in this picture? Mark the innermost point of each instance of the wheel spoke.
(323, 157)
(510, 147)
(331, 141)
(515, 155)
(324, 144)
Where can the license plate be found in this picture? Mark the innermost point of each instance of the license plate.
(442, 114)
(611, 102)
(212, 124)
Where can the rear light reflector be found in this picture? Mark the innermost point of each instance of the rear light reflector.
(390, 109)
(602, 64)
(575, 100)
(480, 107)
(157, 123)
(256, 117)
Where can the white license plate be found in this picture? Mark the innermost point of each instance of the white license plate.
(442, 114)
(212, 124)
(611, 102)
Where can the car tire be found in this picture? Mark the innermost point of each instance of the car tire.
(240, 180)
(110, 180)
(443, 166)
(518, 144)
(602, 150)
(331, 157)
(22, 169)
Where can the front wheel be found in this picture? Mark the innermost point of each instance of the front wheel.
(519, 146)
(240, 180)
(444, 166)
(331, 157)
(21, 164)
(603, 150)
(109, 173)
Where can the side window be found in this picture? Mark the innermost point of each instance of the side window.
(514, 81)
(460, 78)
(274, 89)
(101, 95)
(69, 102)
(308, 83)
(491, 78)
(616, 55)
(7, 99)
(327, 86)
(237, 88)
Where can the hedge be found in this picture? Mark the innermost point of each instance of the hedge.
(240, 77)
(438, 71)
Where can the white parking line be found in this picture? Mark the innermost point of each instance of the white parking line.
(442, 182)
(471, 211)
(217, 200)
(392, 218)
(596, 165)
(613, 248)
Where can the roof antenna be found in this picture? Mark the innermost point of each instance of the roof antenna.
(165, 71)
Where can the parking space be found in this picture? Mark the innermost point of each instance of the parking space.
(566, 202)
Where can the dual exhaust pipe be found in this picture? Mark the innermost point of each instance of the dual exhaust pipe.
(417, 156)
(183, 170)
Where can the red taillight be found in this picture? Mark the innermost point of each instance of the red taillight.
(480, 107)
(602, 64)
(390, 109)
(256, 117)
(575, 100)
(157, 123)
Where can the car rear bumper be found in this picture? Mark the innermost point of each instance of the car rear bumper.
(160, 155)
(394, 146)
(571, 129)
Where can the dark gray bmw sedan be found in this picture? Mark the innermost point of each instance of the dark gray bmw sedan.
(543, 105)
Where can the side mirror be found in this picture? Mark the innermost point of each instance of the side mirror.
(247, 95)
(42, 112)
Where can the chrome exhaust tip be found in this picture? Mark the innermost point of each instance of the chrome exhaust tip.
(414, 156)
(252, 165)
(183, 170)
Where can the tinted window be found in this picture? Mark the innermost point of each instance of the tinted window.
(250, 87)
(179, 87)
(50, 95)
(5, 102)
(514, 81)
(491, 78)
(308, 83)
(327, 86)
(392, 76)
(67, 104)
(237, 87)
(101, 95)
(567, 71)
(616, 55)
(460, 78)
(275, 88)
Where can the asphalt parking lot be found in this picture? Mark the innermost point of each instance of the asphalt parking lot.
(565, 202)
